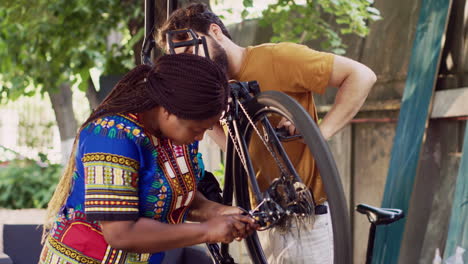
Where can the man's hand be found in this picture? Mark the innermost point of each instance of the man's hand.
(288, 125)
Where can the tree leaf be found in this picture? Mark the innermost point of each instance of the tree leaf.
(247, 3)
(291, 21)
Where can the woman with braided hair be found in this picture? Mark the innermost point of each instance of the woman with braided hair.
(131, 180)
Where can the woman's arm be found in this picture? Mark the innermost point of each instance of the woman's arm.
(203, 209)
(149, 236)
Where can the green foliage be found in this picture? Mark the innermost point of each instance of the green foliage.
(25, 183)
(219, 174)
(47, 43)
(302, 21)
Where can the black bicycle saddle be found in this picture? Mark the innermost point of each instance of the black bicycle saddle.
(380, 216)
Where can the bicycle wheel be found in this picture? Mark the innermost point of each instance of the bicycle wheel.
(274, 106)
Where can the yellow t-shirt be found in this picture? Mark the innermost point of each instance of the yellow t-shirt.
(297, 71)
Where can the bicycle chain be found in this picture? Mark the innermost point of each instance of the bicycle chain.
(241, 156)
(237, 147)
(263, 140)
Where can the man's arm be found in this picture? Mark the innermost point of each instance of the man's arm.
(354, 81)
(218, 135)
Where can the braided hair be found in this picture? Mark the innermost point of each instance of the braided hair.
(186, 85)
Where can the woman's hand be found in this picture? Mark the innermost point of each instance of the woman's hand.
(226, 228)
(250, 226)
(204, 210)
(230, 210)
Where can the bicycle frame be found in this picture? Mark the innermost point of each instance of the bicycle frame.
(242, 93)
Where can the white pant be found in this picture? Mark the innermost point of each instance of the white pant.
(311, 243)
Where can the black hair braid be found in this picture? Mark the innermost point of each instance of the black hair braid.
(189, 86)
(127, 96)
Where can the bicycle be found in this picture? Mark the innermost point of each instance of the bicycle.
(272, 205)
(251, 119)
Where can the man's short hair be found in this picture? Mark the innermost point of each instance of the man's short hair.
(196, 16)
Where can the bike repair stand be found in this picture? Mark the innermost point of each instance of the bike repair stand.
(149, 42)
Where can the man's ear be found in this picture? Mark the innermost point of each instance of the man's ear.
(216, 32)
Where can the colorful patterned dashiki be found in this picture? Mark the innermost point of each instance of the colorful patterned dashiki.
(121, 174)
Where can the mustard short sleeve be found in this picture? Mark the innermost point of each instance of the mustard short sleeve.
(299, 68)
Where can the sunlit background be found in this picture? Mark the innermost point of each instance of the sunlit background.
(28, 126)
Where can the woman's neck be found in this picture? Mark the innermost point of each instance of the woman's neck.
(149, 122)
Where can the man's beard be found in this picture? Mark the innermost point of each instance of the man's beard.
(219, 56)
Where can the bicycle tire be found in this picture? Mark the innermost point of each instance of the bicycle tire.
(276, 102)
